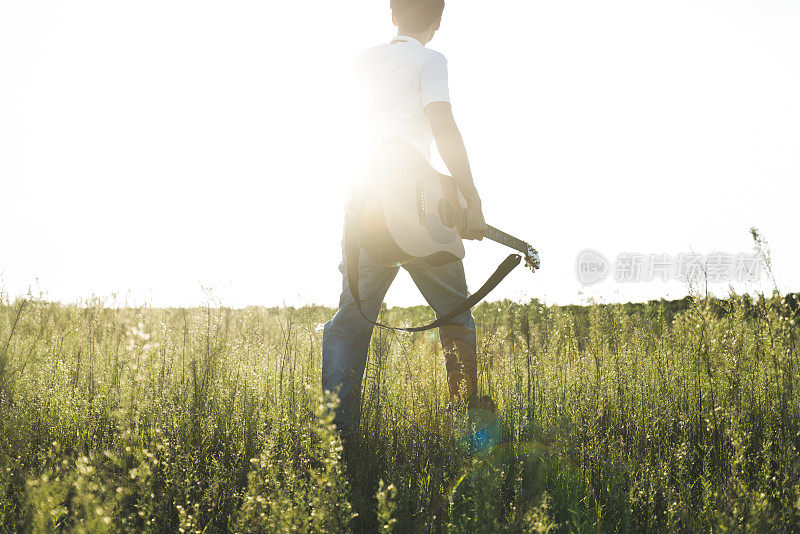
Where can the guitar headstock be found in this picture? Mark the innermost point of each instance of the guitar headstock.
(532, 259)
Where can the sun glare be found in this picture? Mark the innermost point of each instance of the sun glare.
(155, 149)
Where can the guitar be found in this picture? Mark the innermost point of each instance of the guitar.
(413, 212)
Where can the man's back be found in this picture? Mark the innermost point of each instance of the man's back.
(398, 80)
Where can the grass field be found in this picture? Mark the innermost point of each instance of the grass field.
(655, 417)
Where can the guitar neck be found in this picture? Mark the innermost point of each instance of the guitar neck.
(499, 236)
(503, 238)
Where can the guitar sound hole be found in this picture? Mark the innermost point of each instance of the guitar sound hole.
(446, 213)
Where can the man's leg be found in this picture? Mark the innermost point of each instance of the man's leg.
(345, 340)
(444, 288)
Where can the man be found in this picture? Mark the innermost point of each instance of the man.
(406, 96)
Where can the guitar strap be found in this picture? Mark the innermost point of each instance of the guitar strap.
(352, 251)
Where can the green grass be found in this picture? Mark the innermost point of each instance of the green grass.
(654, 417)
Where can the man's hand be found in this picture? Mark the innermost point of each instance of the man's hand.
(475, 225)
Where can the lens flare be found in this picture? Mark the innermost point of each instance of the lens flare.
(483, 433)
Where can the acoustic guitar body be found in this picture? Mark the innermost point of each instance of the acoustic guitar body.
(412, 211)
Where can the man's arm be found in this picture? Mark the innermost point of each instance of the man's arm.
(454, 154)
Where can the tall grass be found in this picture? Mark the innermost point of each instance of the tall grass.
(654, 417)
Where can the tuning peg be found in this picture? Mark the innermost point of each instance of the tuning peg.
(532, 259)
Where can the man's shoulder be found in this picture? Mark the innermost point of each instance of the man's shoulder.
(433, 56)
(366, 58)
(423, 54)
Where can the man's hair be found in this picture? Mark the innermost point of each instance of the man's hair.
(417, 15)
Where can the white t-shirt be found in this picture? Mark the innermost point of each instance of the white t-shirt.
(397, 80)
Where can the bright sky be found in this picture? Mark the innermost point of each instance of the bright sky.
(149, 149)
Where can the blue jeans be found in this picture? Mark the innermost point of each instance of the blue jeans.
(346, 337)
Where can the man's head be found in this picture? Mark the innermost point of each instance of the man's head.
(418, 17)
